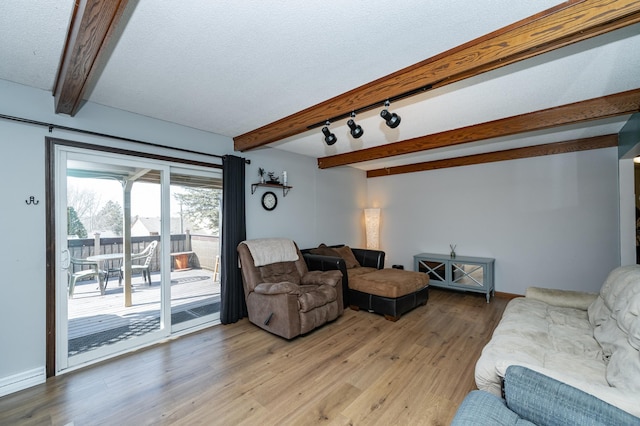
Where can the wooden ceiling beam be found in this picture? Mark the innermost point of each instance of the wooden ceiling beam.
(92, 25)
(569, 22)
(579, 112)
(584, 144)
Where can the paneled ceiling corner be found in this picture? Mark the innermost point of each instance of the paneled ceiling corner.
(593, 109)
(567, 23)
(92, 27)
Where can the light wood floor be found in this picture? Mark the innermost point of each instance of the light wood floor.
(359, 370)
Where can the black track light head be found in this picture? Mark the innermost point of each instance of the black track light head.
(391, 118)
(356, 129)
(329, 138)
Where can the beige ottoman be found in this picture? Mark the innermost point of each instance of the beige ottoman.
(390, 292)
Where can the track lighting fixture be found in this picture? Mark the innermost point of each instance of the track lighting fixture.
(356, 129)
(329, 138)
(391, 118)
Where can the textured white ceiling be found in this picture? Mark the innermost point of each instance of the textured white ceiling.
(32, 36)
(231, 66)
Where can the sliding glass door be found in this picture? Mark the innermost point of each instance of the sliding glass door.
(137, 242)
(195, 257)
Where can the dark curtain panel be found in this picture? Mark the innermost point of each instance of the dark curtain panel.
(234, 230)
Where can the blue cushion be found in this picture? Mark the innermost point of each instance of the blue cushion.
(546, 401)
(482, 408)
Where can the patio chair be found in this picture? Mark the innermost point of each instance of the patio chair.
(93, 271)
(145, 267)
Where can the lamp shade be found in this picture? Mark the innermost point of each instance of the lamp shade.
(372, 228)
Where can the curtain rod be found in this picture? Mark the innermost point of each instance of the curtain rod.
(52, 126)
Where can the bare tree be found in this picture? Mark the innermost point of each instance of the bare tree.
(86, 203)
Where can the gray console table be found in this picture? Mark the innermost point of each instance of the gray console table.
(459, 273)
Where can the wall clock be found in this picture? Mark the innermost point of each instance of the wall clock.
(269, 201)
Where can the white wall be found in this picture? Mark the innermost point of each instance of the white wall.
(548, 221)
(323, 205)
(22, 258)
(303, 214)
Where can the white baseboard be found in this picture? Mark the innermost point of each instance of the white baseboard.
(21, 381)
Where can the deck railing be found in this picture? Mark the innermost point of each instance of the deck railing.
(205, 248)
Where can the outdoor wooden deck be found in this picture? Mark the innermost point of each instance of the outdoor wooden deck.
(90, 313)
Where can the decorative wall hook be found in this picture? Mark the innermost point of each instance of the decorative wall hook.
(32, 200)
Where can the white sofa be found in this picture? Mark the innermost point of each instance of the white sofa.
(589, 341)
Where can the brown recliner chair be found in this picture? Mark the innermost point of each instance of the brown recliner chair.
(284, 297)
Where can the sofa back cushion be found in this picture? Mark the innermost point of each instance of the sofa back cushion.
(615, 315)
(343, 252)
(324, 250)
(280, 272)
(273, 273)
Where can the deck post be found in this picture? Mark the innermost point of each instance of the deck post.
(96, 243)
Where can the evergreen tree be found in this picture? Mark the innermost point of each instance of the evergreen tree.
(201, 206)
(110, 218)
(74, 225)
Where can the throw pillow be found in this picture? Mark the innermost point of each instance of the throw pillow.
(323, 250)
(349, 259)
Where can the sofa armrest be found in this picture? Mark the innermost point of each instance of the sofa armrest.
(543, 401)
(562, 298)
(318, 262)
(284, 287)
(331, 278)
(369, 258)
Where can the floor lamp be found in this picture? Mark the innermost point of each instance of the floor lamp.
(372, 228)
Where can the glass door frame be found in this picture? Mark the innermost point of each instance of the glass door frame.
(62, 154)
(194, 324)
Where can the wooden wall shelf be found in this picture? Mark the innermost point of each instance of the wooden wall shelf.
(285, 188)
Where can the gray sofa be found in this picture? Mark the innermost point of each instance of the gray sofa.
(532, 398)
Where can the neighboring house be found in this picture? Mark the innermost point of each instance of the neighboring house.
(146, 226)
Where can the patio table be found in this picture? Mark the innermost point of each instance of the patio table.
(107, 258)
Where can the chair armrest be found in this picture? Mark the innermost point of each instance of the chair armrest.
(331, 278)
(318, 262)
(369, 258)
(284, 287)
(562, 298)
(543, 400)
(84, 262)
